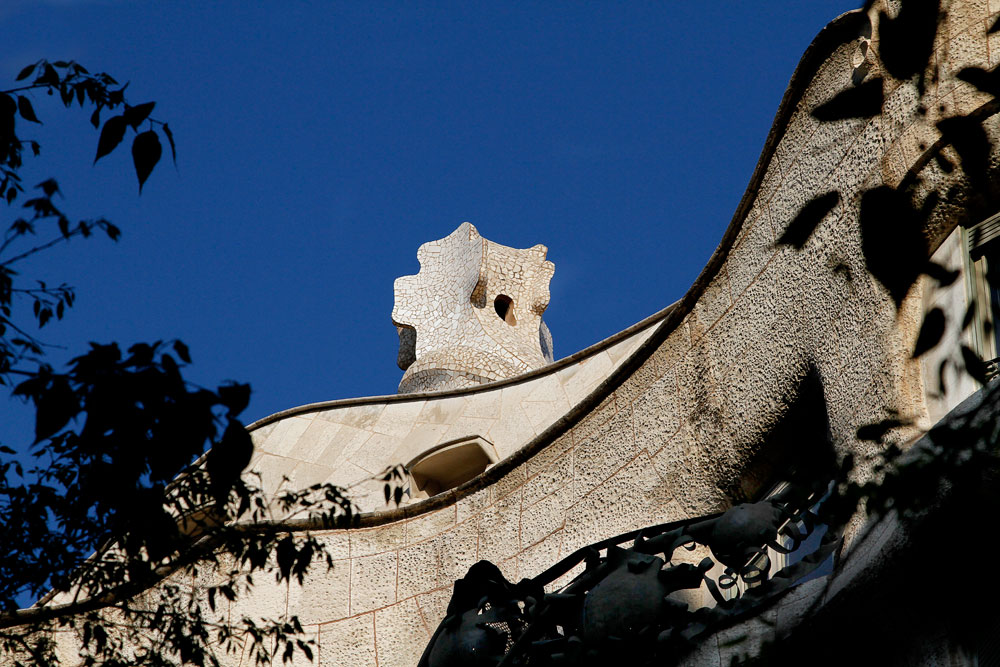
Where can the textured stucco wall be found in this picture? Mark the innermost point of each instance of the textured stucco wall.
(348, 442)
(676, 436)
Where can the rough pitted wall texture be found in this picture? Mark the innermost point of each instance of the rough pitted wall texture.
(460, 341)
(676, 438)
(347, 443)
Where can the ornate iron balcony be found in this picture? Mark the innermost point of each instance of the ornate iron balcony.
(628, 600)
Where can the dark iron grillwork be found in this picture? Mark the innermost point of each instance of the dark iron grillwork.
(623, 605)
(991, 368)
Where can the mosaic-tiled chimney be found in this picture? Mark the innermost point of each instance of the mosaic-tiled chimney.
(473, 314)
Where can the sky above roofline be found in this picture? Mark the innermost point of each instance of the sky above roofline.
(319, 144)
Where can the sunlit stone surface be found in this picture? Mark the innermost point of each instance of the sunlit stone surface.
(473, 314)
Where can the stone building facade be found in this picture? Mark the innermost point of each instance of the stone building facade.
(674, 418)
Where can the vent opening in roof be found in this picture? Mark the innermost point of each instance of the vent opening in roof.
(447, 466)
(504, 306)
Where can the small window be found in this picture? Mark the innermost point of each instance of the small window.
(448, 465)
(982, 242)
(504, 306)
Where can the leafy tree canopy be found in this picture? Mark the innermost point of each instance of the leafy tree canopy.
(135, 473)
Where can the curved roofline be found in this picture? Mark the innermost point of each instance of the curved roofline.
(826, 41)
(489, 386)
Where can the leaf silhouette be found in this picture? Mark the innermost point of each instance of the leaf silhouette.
(8, 113)
(48, 186)
(26, 72)
(930, 332)
(235, 397)
(906, 42)
(27, 112)
(146, 152)
(970, 314)
(809, 216)
(227, 459)
(111, 135)
(942, 382)
(182, 351)
(54, 408)
(995, 27)
(135, 115)
(863, 101)
(112, 231)
(943, 163)
(941, 274)
(8, 107)
(967, 136)
(49, 76)
(987, 81)
(895, 251)
(170, 140)
(878, 430)
(974, 365)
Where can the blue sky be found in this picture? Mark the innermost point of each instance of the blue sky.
(319, 144)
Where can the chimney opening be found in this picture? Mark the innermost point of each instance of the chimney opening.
(504, 306)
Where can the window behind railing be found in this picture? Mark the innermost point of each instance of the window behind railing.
(982, 245)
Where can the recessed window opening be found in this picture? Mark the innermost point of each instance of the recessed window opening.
(448, 466)
(982, 269)
(504, 306)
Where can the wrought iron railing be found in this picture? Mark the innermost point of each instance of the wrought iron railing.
(991, 368)
(626, 603)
